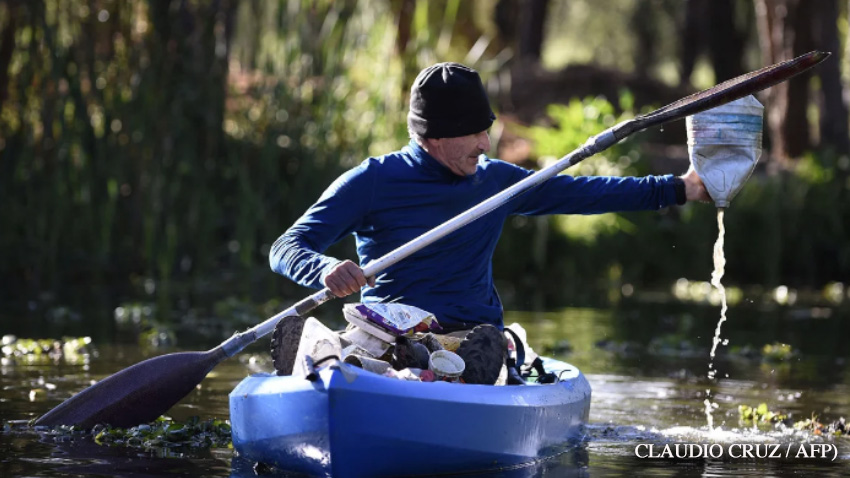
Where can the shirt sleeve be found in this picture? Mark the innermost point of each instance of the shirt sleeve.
(564, 194)
(298, 253)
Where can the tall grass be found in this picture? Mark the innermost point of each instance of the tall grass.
(145, 143)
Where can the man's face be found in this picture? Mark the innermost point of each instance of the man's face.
(460, 154)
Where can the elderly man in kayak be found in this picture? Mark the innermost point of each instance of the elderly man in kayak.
(388, 200)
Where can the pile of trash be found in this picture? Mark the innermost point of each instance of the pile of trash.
(391, 339)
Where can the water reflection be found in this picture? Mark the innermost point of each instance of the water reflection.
(572, 462)
(31, 454)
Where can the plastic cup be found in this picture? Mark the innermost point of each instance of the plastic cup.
(446, 365)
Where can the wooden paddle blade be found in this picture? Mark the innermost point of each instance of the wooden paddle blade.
(136, 395)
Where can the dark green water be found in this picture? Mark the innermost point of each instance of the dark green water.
(646, 364)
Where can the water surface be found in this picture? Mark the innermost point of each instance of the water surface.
(647, 366)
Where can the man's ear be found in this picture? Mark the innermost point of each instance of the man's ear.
(431, 144)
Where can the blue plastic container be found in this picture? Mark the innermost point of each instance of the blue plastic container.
(354, 423)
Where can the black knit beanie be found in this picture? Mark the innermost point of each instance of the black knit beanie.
(447, 100)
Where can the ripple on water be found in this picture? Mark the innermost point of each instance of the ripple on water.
(678, 434)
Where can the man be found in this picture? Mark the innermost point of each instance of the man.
(386, 201)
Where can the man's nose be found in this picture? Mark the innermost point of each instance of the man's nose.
(484, 141)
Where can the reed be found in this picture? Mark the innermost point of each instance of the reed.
(160, 142)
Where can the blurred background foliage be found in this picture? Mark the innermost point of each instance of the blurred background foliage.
(155, 149)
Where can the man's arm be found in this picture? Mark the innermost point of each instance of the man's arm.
(298, 253)
(566, 194)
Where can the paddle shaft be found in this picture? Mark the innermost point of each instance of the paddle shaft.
(594, 145)
(723, 93)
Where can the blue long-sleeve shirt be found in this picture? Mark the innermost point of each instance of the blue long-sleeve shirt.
(386, 201)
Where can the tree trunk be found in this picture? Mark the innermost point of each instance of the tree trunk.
(725, 42)
(7, 46)
(692, 34)
(403, 11)
(646, 36)
(533, 18)
(797, 129)
(833, 119)
(777, 32)
(505, 15)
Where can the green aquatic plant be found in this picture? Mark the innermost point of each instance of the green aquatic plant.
(759, 414)
(836, 428)
(162, 434)
(139, 320)
(157, 336)
(71, 350)
(166, 433)
(762, 415)
(745, 351)
(777, 352)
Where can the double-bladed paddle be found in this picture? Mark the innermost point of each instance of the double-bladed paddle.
(144, 391)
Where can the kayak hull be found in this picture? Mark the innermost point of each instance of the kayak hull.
(352, 423)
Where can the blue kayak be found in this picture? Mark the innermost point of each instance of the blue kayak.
(354, 423)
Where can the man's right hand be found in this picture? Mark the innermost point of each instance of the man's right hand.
(346, 278)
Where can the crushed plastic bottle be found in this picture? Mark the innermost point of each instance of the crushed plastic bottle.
(724, 145)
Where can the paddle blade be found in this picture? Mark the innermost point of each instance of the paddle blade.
(723, 93)
(136, 395)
